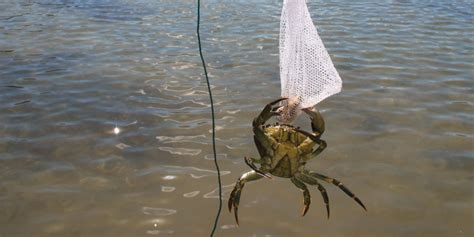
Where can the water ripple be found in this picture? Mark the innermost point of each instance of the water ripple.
(157, 211)
(191, 194)
(200, 139)
(181, 151)
(194, 172)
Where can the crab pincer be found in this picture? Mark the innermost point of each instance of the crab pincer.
(267, 112)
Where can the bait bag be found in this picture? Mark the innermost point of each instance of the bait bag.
(307, 73)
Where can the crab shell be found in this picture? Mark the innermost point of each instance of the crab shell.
(289, 154)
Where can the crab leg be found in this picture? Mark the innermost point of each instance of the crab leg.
(251, 163)
(312, 181)
(338, 184)
(234, 198)
(306, 195)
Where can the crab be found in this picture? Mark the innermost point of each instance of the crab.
(284, 151)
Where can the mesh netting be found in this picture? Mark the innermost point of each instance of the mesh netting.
(307, 73)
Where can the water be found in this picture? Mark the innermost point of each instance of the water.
(400, 134)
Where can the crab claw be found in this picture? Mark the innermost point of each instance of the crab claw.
(317, 121)
(290, 110)
(267, 112)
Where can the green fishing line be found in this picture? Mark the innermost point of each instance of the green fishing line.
(213, 118)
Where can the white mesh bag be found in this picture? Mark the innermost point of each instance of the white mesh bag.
(307, 73)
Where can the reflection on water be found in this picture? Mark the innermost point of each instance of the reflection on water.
(400, 134)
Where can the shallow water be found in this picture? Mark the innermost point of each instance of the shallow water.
(400, 134)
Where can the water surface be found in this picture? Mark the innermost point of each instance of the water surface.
(400, 133)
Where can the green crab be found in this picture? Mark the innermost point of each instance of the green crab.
(284, 151)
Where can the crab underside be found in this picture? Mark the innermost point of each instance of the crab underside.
(284, 151)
